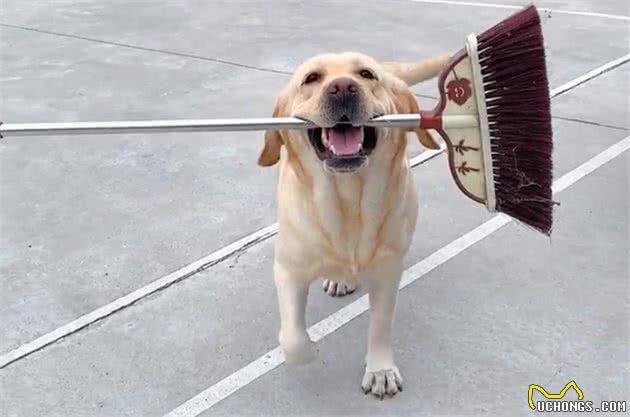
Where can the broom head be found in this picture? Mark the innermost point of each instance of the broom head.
(504, 162)
(516, 90)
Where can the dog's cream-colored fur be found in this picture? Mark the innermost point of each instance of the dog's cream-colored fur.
(348, 228)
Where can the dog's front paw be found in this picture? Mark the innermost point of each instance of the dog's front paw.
(337, 289)
(382, 383)
(297, 348)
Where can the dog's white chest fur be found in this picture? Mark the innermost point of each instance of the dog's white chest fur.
(347, 223)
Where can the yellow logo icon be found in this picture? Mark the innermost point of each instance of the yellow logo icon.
(545, 394)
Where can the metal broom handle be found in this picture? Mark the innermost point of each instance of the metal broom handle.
(206, 125)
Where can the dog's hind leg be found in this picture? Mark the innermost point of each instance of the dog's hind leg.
(337, 289)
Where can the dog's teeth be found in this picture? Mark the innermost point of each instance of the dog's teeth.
(326, 142)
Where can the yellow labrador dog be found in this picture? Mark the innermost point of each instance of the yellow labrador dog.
(347, 206)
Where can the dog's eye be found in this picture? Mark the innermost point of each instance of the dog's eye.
(312, 77)
(367, 74)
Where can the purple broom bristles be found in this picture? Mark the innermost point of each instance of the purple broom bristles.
(514, 73)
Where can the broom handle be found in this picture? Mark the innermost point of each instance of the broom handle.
(207, 125)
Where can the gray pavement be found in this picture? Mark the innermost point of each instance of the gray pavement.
(84, 221)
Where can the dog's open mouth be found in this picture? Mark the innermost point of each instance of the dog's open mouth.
(343, 147)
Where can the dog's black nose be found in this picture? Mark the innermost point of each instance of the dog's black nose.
(343, 87)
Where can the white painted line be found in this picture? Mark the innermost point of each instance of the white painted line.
(516, 7)
(591, 165)
(161, 283)
(426, 156)
(218, 256)
(590, 75)
(274, 358)
(138, 294)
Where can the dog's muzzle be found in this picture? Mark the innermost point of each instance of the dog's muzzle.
(346, 144)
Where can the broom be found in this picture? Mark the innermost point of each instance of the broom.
(505, 161)
(493, 113)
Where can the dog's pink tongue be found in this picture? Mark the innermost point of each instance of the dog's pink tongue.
(346, 141)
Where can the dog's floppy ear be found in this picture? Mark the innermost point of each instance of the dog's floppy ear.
(405, 102)
(270, 153)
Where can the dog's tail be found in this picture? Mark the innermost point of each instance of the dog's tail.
(415, 72)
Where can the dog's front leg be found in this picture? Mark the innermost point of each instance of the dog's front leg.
(381, 374)
(292, 295)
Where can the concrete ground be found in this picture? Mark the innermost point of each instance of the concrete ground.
(84, 221)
